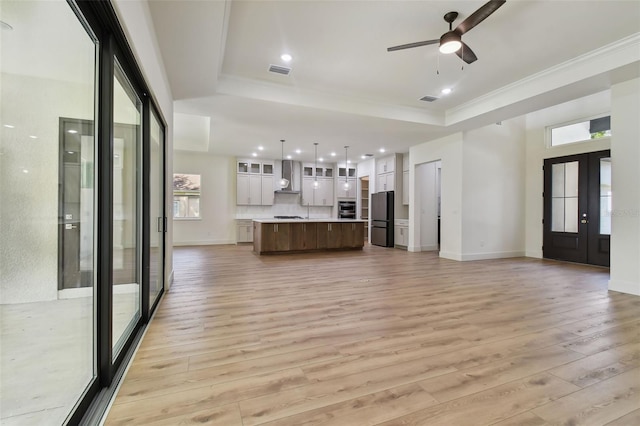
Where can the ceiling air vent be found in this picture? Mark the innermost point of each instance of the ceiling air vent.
(428, 98)
(279, 69)
(368, 155)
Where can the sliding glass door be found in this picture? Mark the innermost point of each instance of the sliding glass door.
(127, 153)
(48, 256)
(81, 209)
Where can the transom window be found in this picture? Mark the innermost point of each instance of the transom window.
(580, 132)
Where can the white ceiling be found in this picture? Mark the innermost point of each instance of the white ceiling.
(346, 89)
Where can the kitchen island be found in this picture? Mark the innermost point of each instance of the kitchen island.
(304, 235)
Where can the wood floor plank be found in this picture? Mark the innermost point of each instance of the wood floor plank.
(322, 393)
(599, 404)
(177, 383)
(476, 379)
(493, 405)
(227, 415)
(382, 336)
(366, 410)
(182, 403)
(600, 366)
(524, 419)
(633, 418)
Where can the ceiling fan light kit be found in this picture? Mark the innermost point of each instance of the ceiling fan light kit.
(450, 42)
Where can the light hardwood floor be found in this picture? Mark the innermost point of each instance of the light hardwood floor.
(383, 336)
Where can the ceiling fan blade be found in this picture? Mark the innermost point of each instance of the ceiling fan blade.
(410, 45)
(466, 54)
(479, 15)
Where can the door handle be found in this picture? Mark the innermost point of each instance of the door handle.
(584, 218)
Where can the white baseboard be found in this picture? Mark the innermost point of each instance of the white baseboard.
(451, 256)
(493, 255)
(202, 243)
(75, 293)
(534, 253)
(413, 249)
(481, 256)
(628, 287)
(429, 248)
(170, 279)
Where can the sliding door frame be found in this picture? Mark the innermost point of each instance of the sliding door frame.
(111, 44)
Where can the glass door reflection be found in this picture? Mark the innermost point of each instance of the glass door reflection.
(127, 143)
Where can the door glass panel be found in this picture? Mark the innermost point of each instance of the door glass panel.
(564, 193)
(47, 196)
(557, 180)
(156, 209)
(571, 214)
(571, 179)
(126, 210)
(557, 213)
(605, 196)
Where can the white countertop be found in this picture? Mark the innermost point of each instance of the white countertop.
(311, 220)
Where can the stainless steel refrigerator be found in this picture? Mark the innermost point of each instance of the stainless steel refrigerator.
(382, 219)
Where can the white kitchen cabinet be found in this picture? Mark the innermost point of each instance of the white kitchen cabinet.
(254, 183)
(244, 231)
(386, 182)
(267, 190)
(321, 196)
(405, 187)
(386, 164)
(401, 237)
(249, 190)
(351, 192)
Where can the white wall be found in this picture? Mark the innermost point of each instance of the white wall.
(29, 242)
(449, 151)
(217, 200)
(492, 196)
(537, 150)
(482, 205)
(625, 161)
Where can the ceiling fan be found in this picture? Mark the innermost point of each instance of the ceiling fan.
(451, 41)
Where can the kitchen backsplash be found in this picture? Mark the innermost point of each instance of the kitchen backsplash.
(284, 205)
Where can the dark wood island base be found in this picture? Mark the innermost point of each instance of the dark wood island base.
(307, 235)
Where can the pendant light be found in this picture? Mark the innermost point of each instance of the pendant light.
(315, 170)
(283, 182)
(346, 169)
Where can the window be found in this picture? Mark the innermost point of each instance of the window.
(186, 196)
(581, 132)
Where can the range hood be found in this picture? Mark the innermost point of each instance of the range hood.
(291, 170)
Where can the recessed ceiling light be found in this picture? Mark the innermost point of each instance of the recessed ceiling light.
(298, 151)
(363, 156)
(321, 159)
(288, 157)
(254, 154)
(33, 137)
(73, 132)
(333, 154)
(9, 126)
(382, 149)
(446, 91)
(25, 171)
(348, 161)
(286, 57)
(260, 148)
